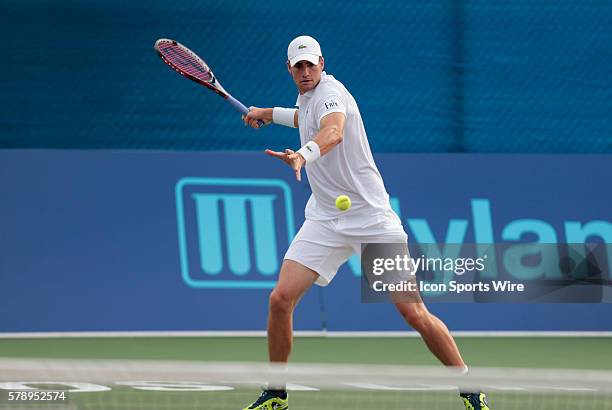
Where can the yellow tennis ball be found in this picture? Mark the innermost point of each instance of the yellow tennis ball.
(343, 202)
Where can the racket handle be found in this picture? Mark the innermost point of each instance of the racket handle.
(241, 108)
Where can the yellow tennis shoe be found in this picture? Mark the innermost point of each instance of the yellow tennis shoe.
(270, 400)
(475, 401)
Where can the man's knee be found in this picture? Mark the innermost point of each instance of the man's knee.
(294, 280)
(281, 301)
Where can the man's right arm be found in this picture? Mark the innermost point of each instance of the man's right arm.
(275, 115)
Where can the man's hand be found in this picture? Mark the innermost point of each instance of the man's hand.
(291, 158)
(264, 114)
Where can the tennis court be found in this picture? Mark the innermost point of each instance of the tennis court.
(542, 352)
(497, 352)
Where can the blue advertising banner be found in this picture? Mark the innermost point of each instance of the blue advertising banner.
(162, 241)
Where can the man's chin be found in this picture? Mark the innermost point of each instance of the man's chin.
(306, 87)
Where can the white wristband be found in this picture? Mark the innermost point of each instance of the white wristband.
(310, 152)
(283, 116)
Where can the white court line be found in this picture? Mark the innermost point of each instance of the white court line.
(299, 333)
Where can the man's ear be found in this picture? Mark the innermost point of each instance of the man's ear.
(288, 67)
(322, 61)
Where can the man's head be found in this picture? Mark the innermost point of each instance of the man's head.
(305, 62)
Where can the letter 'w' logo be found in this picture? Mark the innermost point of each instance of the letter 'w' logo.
(232, 231)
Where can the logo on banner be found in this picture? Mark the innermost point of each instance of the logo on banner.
(232, 231)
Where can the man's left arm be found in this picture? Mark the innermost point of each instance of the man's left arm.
(330, 112)
(331, 132)
(332, 117)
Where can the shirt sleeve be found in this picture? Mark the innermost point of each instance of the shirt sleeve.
(329, 104)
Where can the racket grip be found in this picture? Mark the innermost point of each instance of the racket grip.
(241, 108)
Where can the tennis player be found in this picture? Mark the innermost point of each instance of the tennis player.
(337, 157)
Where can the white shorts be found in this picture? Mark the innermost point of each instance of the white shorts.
(325, 245)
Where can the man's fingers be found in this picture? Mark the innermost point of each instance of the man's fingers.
(296, 165)
(291, 158)
(249, 119)
(298, 170)
(274, 153)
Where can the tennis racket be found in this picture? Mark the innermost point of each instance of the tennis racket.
(188, 64)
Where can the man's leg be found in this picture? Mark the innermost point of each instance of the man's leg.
(433, 331)
(439, 340)
(294, 280)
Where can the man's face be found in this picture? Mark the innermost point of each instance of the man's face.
(306, 75)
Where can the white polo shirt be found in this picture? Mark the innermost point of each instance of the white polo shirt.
(349, 168)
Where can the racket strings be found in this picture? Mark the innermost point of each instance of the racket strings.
(185, 62)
